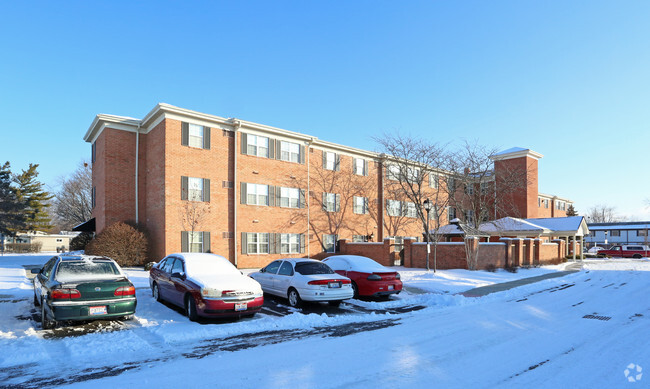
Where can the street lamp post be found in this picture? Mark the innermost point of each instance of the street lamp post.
(427, 207)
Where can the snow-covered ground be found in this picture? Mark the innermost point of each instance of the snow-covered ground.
(580, 330)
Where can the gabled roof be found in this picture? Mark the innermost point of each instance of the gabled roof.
(568, 224)
(513, 226)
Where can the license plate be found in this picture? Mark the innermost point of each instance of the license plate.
(97, 310)
(241, 306)
(335, 285)
(391, 287)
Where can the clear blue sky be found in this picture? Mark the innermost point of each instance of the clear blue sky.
(570, 80)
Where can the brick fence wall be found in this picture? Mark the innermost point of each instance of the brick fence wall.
(452, 255)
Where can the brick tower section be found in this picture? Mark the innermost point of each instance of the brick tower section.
(516, 172)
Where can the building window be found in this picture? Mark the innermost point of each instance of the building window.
(614, 232)
(289, 151)
(393, 173)
(410, 209)
(394, 208)
(641, 232)
(451, 213)
(196, 135)
(469, 189)
(545, 203)
(195, 240)
(359, 238)
(331, 202)
(433, 181)
(451, 184)
(93, 197)
(195, 189)
(360, 167)
(412, 174)
(59, 240)
(484, 187)
(257, 145)
(329, 243)
(330, 160)
(258, 243)
(290, 197)
(539, 202)
(469, 217)
(290, 243)
(257, 194)
(360, 205)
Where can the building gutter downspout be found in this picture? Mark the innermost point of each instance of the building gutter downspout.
(137, 159)
(307, 196)
(236, 126)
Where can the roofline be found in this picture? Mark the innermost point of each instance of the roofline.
(517, 154)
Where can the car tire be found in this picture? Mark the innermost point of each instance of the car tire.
(36, 302)
(355, 288)
(294, 298)
(335, 304)
(190, 308)
(636, 256)
(45, 323)
(155, 292)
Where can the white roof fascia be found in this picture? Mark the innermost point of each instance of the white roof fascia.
(517, 152)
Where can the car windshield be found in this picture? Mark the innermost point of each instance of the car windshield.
(309, 268)
(86, 270)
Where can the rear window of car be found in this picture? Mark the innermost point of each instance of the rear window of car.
(86, 270)
(634, 248)
(309, 268)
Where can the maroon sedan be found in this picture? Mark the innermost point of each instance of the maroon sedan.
(205, 285)
(368, 277)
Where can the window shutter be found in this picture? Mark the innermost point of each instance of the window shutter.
(302, 243)
(365, 168)
(206, 138)
(244, 143)
(366, 206)
(272, 202)
(302, 154)
(272, 243)
(324, 159)
(206, 242)
(303, 202)
(278, 243)
(206, 190)
(337, 162)
(278, 147)
(338, 202)
(185, 239)
(324, 201)
(271, 149)
(243, 193)
(185, 134)
(278, 195)
(184, 188)
(93, 152)
(244, 243)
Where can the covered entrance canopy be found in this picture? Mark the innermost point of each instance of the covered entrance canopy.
(558, 227)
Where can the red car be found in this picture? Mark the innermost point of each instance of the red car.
(626, 251)
(369, 278)
(205, 285)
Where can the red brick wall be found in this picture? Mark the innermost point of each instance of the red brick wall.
(523, 200)
(380, 252)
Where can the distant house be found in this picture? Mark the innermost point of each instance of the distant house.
(49, 242)
(608, 234)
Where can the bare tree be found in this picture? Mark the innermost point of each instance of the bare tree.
(333, 192)
(72, 203)
(474, 194)
(413, 167)
(192, 215)
(602, 214)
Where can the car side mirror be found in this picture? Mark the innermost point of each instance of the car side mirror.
(36, 270)
(178, 275)
(263, 270)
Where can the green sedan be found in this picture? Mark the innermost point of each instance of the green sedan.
(82, 287)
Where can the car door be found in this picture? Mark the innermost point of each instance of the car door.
(164, 279)
(283, 279)
(42, 278)
(177, 287)
(266, 277)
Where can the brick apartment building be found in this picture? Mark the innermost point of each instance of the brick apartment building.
(255, 193)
